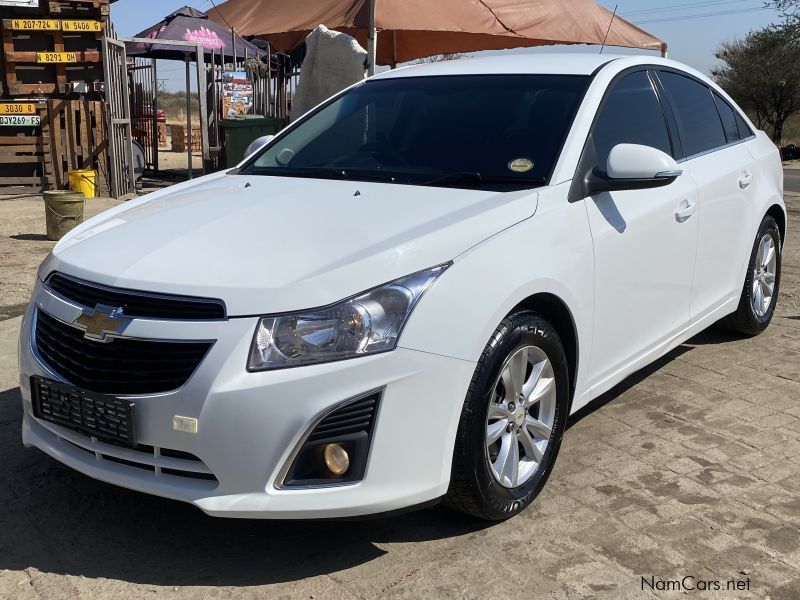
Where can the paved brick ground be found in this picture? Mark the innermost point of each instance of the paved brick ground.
(690, 468)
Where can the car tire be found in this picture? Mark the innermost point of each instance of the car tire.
(484, 481)
(754, 313)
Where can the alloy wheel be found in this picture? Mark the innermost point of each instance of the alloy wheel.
(521, 414)
(764, 273)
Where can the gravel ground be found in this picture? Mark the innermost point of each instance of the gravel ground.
(690, 468)
(23, 246)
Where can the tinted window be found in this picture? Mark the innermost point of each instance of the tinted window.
(744, 129)
(631, 114)
(509, 129)
(698, 121)
(728, 119)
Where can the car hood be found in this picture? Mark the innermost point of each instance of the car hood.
(274, 244)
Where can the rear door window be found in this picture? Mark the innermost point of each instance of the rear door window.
(728, 116)
(744, 129)
(699, 122)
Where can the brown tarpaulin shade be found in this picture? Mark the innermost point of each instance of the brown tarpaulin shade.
(412, 29)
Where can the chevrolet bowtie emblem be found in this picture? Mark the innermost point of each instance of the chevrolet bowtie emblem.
(100, 321)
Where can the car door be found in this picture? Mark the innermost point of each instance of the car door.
(644, 240)
(721, 167)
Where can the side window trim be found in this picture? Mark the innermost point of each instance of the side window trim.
(576, 190)
(666, 101)
(669, 115)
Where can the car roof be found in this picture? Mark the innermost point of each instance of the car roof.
(539, 63)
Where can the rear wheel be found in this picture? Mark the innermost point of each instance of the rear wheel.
(512, 421)
(760, 294)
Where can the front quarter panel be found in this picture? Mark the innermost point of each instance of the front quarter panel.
(550, 253)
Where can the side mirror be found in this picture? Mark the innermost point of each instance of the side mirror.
(257, 144)
(633, 167)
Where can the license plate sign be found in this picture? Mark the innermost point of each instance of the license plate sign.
(32, 24)
(86, 26)
(56, 57)
(104, 417)
(18, 108)
(20, 121)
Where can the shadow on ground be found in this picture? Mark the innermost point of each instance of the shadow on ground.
(30, 237)
(59, 521)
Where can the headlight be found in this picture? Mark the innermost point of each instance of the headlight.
(365, 324)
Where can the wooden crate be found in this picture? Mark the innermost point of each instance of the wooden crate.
(23, 160)
(78, 8)
(72, 134)
(23, 76)
(76, 129)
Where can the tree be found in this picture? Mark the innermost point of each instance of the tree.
(790, 9)
(762, 73)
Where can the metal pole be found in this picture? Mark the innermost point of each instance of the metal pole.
(155, 116)
(233, 46)
(372, 40)
(201, 98)
(269, 80)
(189, 114)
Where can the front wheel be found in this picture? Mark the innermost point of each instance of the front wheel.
(512, 421)
(760, 294)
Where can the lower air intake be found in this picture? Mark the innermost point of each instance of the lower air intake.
(350, 426)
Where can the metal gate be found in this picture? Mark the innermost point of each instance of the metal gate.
(144, 108)
(122, 180)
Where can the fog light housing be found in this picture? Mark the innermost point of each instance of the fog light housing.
(336, 459)
(336, 449)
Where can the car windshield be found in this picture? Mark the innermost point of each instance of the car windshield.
(501, 132)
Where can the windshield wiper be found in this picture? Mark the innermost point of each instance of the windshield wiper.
(477, 178)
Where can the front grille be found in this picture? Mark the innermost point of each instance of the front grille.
(349, 419)
(137, 304)
(122, 366)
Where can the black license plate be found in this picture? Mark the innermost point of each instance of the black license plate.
(104, 417)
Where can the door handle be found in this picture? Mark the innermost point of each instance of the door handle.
(745, 179)
(685, 210)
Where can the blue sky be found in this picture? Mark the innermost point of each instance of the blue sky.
(692, 37)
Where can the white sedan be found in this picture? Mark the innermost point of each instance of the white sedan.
(402, 297)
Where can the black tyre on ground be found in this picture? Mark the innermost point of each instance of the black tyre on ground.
(512, 421)
(762, 284)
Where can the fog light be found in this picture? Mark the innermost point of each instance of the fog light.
(336, 459)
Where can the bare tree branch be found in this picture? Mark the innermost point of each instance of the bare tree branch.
(762, 73)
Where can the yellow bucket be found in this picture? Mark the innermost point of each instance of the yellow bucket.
(83, 181)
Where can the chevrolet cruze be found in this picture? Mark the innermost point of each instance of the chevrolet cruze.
(403, 296)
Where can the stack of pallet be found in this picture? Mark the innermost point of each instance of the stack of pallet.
(51, 109)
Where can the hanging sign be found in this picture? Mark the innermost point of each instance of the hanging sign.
(20, 121)
(18, 108)
(56, 57)
(84, 26)
(32, 24)
(237, 94)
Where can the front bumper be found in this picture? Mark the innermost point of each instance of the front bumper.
(250, 423)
